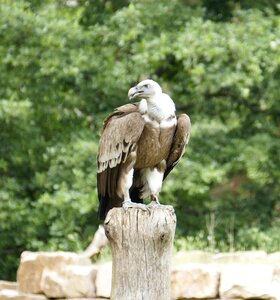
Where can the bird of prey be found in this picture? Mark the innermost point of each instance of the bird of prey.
(140, 144)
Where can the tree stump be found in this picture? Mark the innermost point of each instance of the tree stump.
(141, 243)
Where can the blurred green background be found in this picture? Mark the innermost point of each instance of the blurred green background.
(64, 65)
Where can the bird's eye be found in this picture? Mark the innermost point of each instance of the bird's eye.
(145, 86)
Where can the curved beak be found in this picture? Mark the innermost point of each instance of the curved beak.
(134, 92)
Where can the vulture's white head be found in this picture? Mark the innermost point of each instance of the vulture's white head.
(145, 89)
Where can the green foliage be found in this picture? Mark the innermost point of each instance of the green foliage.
(247, 239)
(98, 11)
(64, 67)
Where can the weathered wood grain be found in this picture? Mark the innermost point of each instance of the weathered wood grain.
(141, 243)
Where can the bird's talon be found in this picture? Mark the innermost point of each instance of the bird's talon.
(153, 204)
(154, 201)
(129, 204)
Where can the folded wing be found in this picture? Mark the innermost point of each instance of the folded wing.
(180, 140)
(119, 137)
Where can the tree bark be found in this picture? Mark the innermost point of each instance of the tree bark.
(98, 242)
(141, 243)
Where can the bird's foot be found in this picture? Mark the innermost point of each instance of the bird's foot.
(129, 204)
(155, 203)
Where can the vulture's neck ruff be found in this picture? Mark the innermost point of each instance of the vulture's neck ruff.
(159, 108)
(154, 104)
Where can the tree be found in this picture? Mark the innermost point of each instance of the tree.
(61, 74)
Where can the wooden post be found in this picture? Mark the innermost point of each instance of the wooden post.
(141, 243)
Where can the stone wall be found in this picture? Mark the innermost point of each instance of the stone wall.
(195, 275)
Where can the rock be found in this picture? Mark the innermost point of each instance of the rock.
(103, 280)
(245, 257)
(7, 285)
(32, 265)
(184, 257)
(246, 281)
(274, 258)
(276, 283)
(16, 295)
(73, 281)
(195, 281)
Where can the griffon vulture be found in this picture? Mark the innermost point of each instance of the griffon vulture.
(140, 144)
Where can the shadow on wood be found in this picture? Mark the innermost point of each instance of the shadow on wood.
(141, 242)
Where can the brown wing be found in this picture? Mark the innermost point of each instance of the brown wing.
(180, 140)
(120, 134)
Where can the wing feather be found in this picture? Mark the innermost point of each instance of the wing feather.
(180, 140)
(120, 134)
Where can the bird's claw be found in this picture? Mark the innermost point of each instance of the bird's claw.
(156, 204)
(129, 204)
(154, 201)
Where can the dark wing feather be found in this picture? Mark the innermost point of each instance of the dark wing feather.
(120, 134)
(180, 140)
